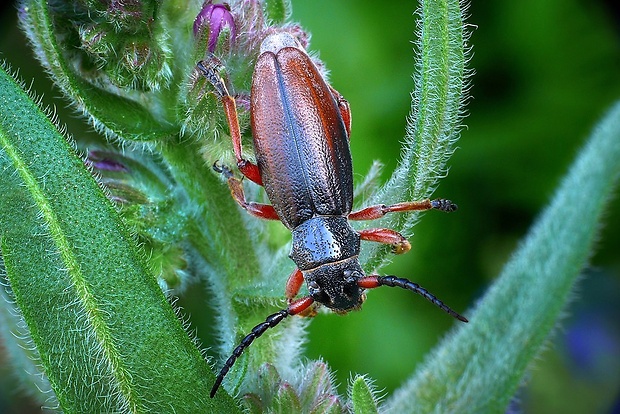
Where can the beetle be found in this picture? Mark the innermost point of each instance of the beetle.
(301, 128)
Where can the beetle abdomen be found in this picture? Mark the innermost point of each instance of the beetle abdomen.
(300, 140)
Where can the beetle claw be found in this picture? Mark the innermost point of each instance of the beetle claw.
(444, 205)
(222, 169)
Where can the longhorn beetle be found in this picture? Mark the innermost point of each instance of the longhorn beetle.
(301, 128)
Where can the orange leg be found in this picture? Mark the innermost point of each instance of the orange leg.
(294, 283)
(399, 243)
(295, 280)
(345, 110)
(264, 211)
(380, 210)
(300, 306)
(209, 68)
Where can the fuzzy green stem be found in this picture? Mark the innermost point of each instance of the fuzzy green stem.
(434, 121)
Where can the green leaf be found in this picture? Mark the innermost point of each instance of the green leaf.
(479, 367)
(19, 347)
(225, 237)
(316, 381)
(286, 400)
(277, 11)
(107, 338)
(362, 396)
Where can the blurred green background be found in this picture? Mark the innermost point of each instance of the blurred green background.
(546, 71)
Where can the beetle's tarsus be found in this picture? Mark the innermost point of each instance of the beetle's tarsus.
(444, 205)
(222, 169)
(211, 69)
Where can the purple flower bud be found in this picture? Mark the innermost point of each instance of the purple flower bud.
(102, 161)
(215, 17)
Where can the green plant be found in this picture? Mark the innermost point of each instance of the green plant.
(82, 272)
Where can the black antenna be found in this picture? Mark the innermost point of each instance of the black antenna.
(258, 330)
(393, 281)
(294, 308)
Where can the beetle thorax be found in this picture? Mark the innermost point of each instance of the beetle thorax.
(325, 248)
(323, 240)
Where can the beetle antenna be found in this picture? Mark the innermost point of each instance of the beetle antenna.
(272, 320)
(258, 330)
(370, 282)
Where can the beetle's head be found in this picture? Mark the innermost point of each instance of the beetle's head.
(335, 285)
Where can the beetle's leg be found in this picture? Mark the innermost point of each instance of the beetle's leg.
(264, 211)
(380, 210)
(398, 242)
(294, 308)
(293, 284)
(209, 69)
(345, 110)
(374, 281)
